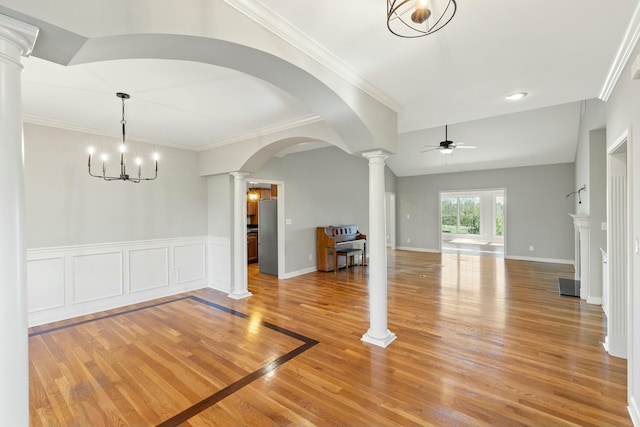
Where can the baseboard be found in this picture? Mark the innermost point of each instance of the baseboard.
(299, 272)
(407, 248)
(514, 257)
(536, 259)
(634, 413)
(594, 300)
(71, 281)
(48, 316)
(220, 285)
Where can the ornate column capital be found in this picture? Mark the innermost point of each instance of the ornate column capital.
(374, 155)
(19, 33)
(239, 174)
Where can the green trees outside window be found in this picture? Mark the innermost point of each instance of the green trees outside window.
(499, 216)
(461, 215)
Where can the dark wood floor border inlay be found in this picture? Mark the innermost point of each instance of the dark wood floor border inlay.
(84, 322)
(228, 390)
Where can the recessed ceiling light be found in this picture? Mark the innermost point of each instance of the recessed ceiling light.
(516, 96)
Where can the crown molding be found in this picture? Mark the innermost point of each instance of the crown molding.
(291, 124)
(267, 18)
(35, 120)
(281, 127)
(627, 46)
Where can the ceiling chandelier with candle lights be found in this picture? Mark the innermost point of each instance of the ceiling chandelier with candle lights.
(124, 176)
(418, 18)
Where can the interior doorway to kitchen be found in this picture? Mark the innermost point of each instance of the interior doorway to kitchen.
(265, 228)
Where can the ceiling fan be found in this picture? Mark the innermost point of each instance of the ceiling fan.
(446, 146)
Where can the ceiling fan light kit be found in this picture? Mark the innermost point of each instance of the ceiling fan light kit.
(418, 18)
(446, 146)
(516, 96)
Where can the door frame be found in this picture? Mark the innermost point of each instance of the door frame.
(620, 349)
(281, 224)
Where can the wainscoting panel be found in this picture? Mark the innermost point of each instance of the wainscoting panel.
(220, 263)
(97, 276)
(148, 269)
(46, 283)
(70, 281)
(190, 260)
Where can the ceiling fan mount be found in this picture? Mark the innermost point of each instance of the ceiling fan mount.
(447, 146)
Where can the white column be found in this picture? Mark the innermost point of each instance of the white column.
(239, 286)
(16, 39)
(378, 334)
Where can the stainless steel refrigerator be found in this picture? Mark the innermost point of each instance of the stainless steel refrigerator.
(268, 236)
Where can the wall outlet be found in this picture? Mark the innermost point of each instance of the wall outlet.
(408, 240)
(310, 257)
(531, 248)
(175, 275)
(288, 221)
(408, 216)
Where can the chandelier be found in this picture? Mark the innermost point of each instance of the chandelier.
(417, 18)
(123, 164)
(252, 194)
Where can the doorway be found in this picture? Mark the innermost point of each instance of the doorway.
(473, 222)
(265, 228)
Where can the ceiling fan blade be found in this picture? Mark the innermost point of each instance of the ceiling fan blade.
(430, 149)
(465, 146)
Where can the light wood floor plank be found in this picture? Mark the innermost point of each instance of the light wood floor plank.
(481, 341)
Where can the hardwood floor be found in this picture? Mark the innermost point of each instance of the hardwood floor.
(481, 341)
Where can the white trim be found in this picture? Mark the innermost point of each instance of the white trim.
(627, 45)
(594, 300)
(536, 259)
(407, 248)
(268, 19)
(280, 218)
(262, 132)
(74, 308)
(270, 130)
(634, 413)
(19, 33)
(380, 342)
(299, 272)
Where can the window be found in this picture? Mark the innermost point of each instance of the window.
(461, 215)
(499, 216)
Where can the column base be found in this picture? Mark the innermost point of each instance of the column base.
(380, 342)
(240, 296)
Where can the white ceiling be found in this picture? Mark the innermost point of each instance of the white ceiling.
(560, 52)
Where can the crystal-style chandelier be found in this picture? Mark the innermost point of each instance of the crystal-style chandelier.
(417, 18)
(123, 164)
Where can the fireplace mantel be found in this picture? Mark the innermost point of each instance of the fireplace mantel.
(581, 225)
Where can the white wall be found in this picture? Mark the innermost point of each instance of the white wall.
(537, 210)
(220, 224)
(623, 113)
(65, 206)
(94, 245)
(590, 170)
(323, 187)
